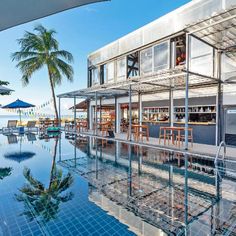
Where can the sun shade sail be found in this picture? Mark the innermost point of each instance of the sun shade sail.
(15, 12)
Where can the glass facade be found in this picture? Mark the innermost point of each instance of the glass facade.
(110, 72)
(201, 57)
(161, 56)
(146, 61)
(121, 69)
(95, 76)
(157, 58)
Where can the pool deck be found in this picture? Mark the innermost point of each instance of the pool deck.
(196, 148)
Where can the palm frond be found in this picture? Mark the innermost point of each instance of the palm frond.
(29, 66)
(64, 55)
(34, 182)
(17, 56)
(65, 68)
(31, 42)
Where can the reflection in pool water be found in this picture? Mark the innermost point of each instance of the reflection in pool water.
(43, 201)
(81, 185)
(4, 172)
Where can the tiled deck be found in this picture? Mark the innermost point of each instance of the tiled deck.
(197, 148)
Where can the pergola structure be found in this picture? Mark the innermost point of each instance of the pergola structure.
(13, 13)
(217, 31)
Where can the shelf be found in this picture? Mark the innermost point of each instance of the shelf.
(195, 112)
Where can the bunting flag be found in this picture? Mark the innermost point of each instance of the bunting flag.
(34, 112)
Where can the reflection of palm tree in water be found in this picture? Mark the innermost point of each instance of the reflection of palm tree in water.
(4, 172)
(41, 201)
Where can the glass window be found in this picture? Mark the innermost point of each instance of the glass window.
(110, 72)
(146, 61)
(201, 60)
(95, 76)
(161, 56)
(121, 69)
(103, 74)
(133, 65)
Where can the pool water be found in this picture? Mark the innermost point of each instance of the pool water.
(79, 185)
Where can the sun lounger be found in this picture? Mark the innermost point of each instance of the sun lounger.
(31, 127)
(11, 127)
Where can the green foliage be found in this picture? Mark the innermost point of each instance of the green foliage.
(4, 172)
(41, 49)
(41, 202)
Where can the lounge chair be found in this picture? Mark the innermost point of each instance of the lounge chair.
(12, 139)
(31, 127)
(11, 126)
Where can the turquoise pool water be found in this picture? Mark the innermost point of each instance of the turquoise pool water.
(71, 185)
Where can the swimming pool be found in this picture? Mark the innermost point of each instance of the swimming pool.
(81, 185)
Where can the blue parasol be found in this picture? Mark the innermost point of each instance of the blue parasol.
(18, 104)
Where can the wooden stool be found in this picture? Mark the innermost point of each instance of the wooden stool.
(182, 137)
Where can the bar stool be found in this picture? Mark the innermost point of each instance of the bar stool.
(164, 135)
(182, 137)
(143, 131)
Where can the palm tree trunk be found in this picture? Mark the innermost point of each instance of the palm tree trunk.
(53, 95)
(53, 163)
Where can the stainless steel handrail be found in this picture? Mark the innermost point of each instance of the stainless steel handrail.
(218, 152)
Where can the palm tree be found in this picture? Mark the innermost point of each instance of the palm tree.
(4, 172)
(41, 201)
(41, 49)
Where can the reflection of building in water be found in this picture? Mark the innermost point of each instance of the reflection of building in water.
(135, 223)
(152, 185)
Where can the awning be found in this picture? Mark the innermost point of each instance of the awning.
(13, 13)
(80, 106)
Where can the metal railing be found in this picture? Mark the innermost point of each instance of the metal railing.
(222, 144)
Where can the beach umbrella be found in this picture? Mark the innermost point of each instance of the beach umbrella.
(20, 155)
(4, 90)
(18, 104)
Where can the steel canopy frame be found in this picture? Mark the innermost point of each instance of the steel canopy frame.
(217, 31)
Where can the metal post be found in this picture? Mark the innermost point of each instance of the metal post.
(59, 111)
(75, 114)
(96, 114)
(130, 172)
(171, 108)
(88, 114)
(140, 108)
(186, 89)
(75, 153)
(116, 113)
(100, 106)
(130, 112)
(186, 193)
(60, 148)
(218, 102)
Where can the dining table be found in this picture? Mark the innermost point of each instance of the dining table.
(173, 130)
(137, 130)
